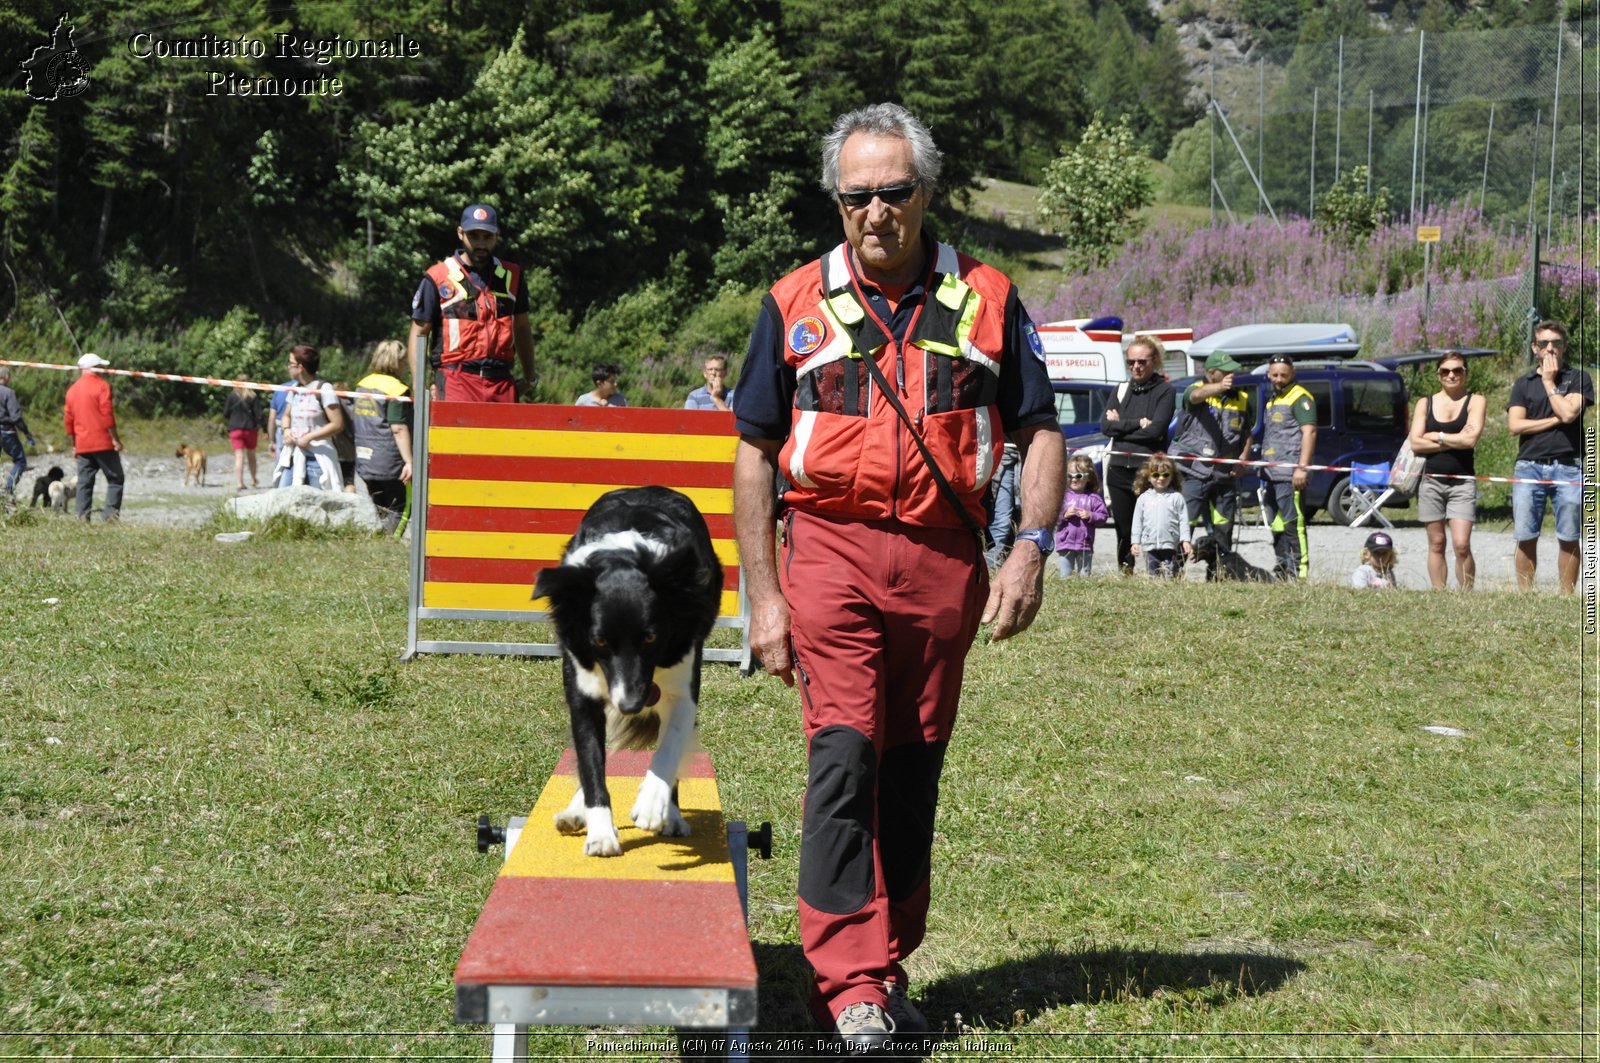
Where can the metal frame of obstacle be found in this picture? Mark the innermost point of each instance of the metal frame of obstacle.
(592, 450)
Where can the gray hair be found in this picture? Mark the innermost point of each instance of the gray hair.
(884, 120)
(5, 373)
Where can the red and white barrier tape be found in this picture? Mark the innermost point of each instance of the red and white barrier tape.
(181, 379)
(1343, 468)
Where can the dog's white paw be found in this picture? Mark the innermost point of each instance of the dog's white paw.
(574, 819)
(602, 839)
(677, 826)
(602, 843)
(653, 811)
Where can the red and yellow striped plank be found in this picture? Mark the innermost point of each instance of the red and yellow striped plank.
(664, 913)
(508, 484)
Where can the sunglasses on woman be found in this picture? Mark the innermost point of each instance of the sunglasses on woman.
(1454, 370)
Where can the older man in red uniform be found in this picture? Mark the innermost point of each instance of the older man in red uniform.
(477, 306)
(882, 381)
(92, 431)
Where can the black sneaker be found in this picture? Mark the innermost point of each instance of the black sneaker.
(906, 1017)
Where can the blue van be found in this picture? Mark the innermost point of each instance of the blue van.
(1362, 416)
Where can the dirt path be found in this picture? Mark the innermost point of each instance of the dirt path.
(156, 494)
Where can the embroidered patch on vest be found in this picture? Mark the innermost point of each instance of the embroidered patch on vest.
(807, 335)
(1035, 344)
(447, 292)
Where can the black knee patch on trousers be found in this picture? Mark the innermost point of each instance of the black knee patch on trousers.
(836, 844)
(908, 793)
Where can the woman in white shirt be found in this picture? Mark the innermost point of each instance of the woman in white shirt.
(311, 419)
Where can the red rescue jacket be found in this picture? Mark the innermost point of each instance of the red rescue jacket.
(848, 452)
(475, 321)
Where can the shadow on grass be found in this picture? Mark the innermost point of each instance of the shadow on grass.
(1011, 994)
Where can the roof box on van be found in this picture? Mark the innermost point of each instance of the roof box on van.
(1257, 343)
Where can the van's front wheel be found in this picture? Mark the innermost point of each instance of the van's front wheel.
(1339, 502)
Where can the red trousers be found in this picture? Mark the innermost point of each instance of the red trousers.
(882, 615)
(455, 385)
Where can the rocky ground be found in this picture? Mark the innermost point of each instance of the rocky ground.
(156, 494)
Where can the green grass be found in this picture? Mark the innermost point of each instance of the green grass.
(232, 823)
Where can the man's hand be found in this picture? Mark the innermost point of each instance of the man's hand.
(405, 473)
(1300, 477)
(769, 637)
(1016, 592)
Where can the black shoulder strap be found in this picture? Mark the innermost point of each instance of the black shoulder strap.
(889, 393)
(927, 455)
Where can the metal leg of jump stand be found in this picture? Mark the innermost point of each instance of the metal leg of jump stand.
(511, 1040)
(739, 852)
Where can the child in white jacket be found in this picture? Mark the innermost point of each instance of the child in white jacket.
(1160, 519)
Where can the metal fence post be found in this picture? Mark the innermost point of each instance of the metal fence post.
(1416, 123)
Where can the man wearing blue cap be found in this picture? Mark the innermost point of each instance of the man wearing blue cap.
(477, 306)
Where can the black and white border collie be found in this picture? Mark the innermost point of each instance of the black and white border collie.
(637, 592)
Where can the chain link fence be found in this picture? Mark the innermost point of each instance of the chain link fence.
(1499, 120)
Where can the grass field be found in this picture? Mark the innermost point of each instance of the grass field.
(1177, 820)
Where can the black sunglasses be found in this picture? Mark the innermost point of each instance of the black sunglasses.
(893, 195)
(1077, 476)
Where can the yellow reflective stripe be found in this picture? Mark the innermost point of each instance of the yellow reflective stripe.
(844, 307)
(513, 494)
(528, 546)
(550, 443)
(515, 598)
(951, 291)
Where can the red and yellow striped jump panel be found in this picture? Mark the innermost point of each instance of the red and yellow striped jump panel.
(508, 484)
(560, 522)
(664, 913)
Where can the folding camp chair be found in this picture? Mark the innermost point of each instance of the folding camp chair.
(1369, 490)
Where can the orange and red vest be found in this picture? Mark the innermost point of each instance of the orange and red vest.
(475, 322)
(848, 452)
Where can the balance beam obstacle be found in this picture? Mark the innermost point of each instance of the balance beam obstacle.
(654, 937)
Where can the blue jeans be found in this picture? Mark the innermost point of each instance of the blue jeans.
(11, 443)
(1074, 562)
(1005, 500)
(1528, 500)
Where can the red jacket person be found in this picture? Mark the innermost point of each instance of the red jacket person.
(882, 381)
(475, 307)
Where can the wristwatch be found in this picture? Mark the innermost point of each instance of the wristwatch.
(1043, 538)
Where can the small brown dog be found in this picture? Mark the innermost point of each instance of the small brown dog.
(194, 464)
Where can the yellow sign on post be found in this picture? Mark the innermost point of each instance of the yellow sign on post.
(1427, 234)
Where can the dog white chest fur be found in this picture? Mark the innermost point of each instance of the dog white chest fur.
(654, 810)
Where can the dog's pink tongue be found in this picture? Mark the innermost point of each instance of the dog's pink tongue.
(655, 696)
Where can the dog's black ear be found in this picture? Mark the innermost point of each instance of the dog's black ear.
(563, 584)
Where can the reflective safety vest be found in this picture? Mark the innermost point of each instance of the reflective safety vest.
(848, 452)
(475, 321)
(1280, 429)
(1215, 429)
(377, 454)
